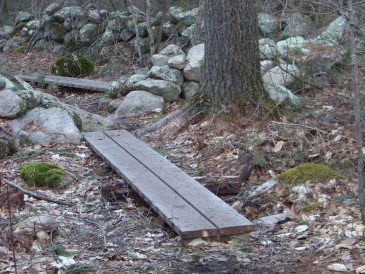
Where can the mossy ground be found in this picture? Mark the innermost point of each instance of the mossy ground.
(308, 171)
(73, 65)
(42, 174)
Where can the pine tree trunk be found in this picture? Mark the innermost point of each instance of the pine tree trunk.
(232, 67)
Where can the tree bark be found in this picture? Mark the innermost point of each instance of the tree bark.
(232, 67)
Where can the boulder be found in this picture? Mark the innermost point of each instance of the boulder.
(266, 65)
(166, 73)
(33, 25)
(57, 32)
(169, 29)
(142, 29)
(138, 102)
(93, 16)
(268, 25)
(177, 62)
(188, 33)
(2, 84)
(73, 65)
(129, 83)
(126, 35)
(336, 31)
(284, 76)
(282, 96)
(176, 14)
(45, 127)
(193, 69)
(11, 105)
(6, 32)
(169, 91)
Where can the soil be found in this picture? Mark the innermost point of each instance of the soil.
(127, 237)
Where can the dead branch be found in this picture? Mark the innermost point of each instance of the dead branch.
(36, 195)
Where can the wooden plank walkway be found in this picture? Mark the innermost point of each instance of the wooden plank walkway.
(79, 83)
(188, 207)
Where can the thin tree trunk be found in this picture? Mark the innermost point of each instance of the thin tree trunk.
(134, 18)
(358, 120)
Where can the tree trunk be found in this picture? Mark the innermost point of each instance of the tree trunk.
(232, 74)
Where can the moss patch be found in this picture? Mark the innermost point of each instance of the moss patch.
(311, 207)
(41, 174)
(73, 65)
(308, 171)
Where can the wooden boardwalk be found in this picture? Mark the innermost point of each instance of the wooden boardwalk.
(79, 83)
(188, 207)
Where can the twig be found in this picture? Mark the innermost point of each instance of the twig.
(11, 231)
(216, 176)
(36, 195)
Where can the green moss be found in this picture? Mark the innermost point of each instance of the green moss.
(72, 44)
(73, 65)
(308, 171)
(21, 49)
(311, 207)
(41, 174)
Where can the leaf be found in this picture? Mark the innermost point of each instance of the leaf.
(278, 146)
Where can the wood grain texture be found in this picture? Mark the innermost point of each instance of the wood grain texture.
(189, 208)
(85, 84)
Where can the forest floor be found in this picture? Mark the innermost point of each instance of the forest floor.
(128, 237)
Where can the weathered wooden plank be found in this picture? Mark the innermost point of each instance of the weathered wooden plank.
(178, 213)
(225, 218)
(85, 84)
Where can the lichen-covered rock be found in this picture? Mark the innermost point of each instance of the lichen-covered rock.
(159, 60)
(297, 25)
(94, 16)
(129, 84)
(171, 51)
(33, 25)
(2, 84)
(285, 75)
(89, 33)
(169, 29)
(73, 65)
(166, 73)
(42, 174)
(336, 31)
(68, 12)
(138, 102)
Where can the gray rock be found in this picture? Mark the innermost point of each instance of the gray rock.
(126, 35)
(142, 29)
(11, 44)
(52, 8)
(171, 50)
(5, 143)
(268, 25)
(189, 89)
(89, 33)
(6, 32)
(23, 16)
(166, 73)
(2, 44)
(159, 60)
(93, 16)
(176, 14)
(41, 44)
(103, 103)
(57, 32)
(285, 47)
(33, 25)
(45, 127)
(177, 62)
(188, 33)
(281, 76)
(142, 71)
(282, 96)
(143, 43)
(266, 65)
(129, 83)
(68, 12)
(116, 24)
(139, 102)
(135, 10)
(195, 58)
(272, 220)
(11, 105)
(169, 91)
(108, 38)
(297, 25)
(336, 31)
(114, 105)
(268, 49)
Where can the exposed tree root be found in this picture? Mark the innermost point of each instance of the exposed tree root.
(173, 123)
